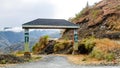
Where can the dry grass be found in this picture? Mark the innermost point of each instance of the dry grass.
(103, 52)
(81, 59)
(4, 65)
(106, 45)
(105, 49)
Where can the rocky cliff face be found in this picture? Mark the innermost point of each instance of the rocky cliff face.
(100, 20)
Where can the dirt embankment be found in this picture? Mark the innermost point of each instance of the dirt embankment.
(10, 59)
(101, 20)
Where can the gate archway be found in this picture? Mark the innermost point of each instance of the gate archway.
(49, 24)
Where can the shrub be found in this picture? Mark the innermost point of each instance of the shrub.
(87, 45)
(43, 40)
(37, 57)
(97, 54)
(40, 45)
(10, 58)
(62, 46)
(35, 48)
(109, 56)
(101, 55)
(3, 62)
(104, 49)
(58, 46)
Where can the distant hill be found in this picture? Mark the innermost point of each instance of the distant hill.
(10, 38)
(101, 20)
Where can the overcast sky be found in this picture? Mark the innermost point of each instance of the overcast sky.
(13, 13)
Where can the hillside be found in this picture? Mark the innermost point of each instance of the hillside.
(10, 39)
(101, 20)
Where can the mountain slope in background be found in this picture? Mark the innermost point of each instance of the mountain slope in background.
(12, 40)
(101, 20)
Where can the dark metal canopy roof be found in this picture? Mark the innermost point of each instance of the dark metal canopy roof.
(49, 24)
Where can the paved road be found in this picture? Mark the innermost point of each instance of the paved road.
(54, 62)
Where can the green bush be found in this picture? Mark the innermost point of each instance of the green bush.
(97, 54)
(3, 62)
(110, 57)
(105, 49)
(40, 45)
(59, 46)
(34, 47)
(37, 57)
(102, 56)
(87, 44)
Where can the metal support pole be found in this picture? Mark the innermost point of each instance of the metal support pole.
(75, 46)
(26, 38)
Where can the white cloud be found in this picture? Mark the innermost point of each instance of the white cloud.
(16, 12)
(68, 8)
(14, 29)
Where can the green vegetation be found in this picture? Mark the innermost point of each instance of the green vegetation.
(19, 52)
(79, 14)
(105, 49)
(33, 59)
(89, 43)
(110, 57)
(101, 49)
(37, 57)
(3, 61)
(43, 41)
(102, 56)
(35, 48)
(95, 13)
(45, 46)
(10, 58)
(97, 54)
(86, 45)
(61, 46)
(66, 38)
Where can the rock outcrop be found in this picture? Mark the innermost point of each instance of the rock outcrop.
(100, 20)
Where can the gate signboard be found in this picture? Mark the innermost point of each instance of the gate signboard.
(75, 40)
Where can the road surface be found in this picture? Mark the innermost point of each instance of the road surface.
(54, 62)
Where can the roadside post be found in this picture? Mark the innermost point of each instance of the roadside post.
(26, 42)
(75, 46)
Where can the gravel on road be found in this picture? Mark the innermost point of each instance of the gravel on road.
(52, 61)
